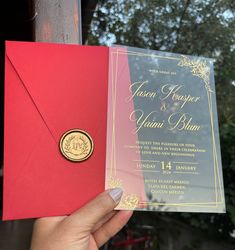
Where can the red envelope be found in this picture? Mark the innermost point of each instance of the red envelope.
(50, 89)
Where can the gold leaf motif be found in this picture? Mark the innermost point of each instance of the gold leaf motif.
(198, 68)
(67, 144)
(129, 202)
(114, 183)
(81, 146)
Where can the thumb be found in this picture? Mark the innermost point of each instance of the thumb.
(90, 214)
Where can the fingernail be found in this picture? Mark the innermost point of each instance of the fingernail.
(116, 194)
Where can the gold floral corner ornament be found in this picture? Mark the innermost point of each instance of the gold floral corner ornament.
(129, 202)
(198, 68)
(114, 182)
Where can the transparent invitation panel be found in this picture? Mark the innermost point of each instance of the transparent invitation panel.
(162, 140)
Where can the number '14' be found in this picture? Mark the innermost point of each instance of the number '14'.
(166, 165)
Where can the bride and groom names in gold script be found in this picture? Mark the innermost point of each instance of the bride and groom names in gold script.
(177, 120)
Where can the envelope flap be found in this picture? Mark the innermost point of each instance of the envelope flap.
(58, 77)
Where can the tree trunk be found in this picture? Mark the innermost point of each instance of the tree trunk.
(57, 21)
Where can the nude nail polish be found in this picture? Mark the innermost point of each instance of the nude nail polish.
(116, 194)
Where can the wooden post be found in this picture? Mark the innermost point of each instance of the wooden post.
(57, 21)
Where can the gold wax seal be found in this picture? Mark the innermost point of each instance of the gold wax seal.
(76, 145)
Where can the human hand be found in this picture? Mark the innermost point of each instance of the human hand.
(86, 229)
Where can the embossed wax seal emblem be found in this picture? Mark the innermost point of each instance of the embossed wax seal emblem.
(76, 145)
